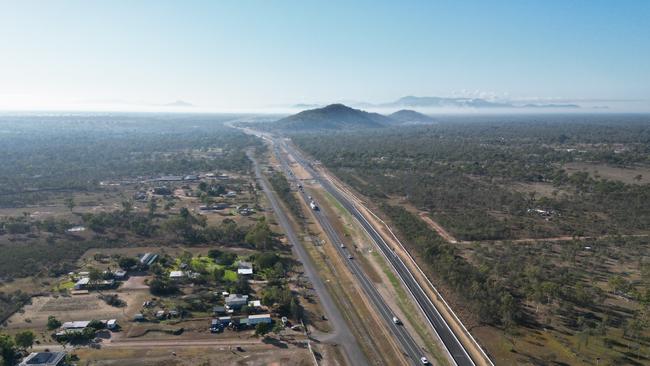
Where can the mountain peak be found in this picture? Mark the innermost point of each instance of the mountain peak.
(333, 116)
(409, 116)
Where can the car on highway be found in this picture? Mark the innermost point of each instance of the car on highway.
(349, 256)
(424, 360)
(342, 245)
(396, 320)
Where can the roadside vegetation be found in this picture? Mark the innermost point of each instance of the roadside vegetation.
(282, 187)
(492, 180)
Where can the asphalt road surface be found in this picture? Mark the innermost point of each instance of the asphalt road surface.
(410, 348)
(449, 339)
(342, 333)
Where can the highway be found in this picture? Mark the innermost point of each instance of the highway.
(408, 344)
(455, 348)
(342, 333)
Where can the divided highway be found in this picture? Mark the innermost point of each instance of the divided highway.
(451, 342)
(342, 333)
(409, 346)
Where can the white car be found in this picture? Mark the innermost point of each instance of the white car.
(396, 320)
(424, 360)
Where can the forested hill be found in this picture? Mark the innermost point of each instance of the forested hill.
(332, 117)
(408, 116)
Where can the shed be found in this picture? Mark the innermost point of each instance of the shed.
(111, 324)
(257, 319)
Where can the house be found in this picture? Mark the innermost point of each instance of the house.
(244, 268)
(236, 301)
(140, 196)
(160, 314)
(218, 310)
(255, 304)
(44, 359)
(231, 194)
(220, 206)
(138, 317)
(191, 177)
(84, 283)
(76, 229)
(260, 318)
(148, 259)
(119, 274)
(176, 275)
(225, 320)
(111, 324)
(246, 211)
(76, 325)
(169, 178)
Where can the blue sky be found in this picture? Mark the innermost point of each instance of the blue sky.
(256, 54)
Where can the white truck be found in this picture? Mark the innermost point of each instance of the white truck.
(313, 206)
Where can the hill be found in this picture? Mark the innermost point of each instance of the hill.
(407, 116)
(333, 116)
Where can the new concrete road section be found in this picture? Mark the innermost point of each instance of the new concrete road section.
(409, 346)
(342, 333)
(451, 342)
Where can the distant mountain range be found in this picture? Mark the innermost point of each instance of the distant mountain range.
(342, 117)
(444, 102)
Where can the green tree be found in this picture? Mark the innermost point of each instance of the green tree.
(152, 206)
(260, 235)
(24, 339)
(127, 206)
(53, 323)
(296, 309)
(94, 277)
(7, 350)
(262, 328)
(127, 262)
(69, 203)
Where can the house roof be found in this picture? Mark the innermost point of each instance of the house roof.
(245, 271)
(83, 281)
(259, 316)
(43, 359)
(236, 298)
(148, 258)
(75, 325)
